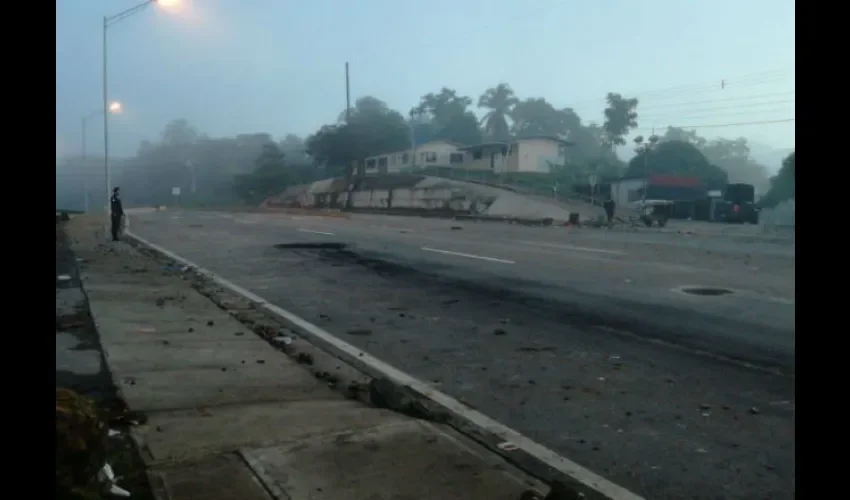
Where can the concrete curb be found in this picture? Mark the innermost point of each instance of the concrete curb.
(522, 452)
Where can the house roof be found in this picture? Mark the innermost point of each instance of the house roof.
(418, 146)
(545, 137)
(516, 140)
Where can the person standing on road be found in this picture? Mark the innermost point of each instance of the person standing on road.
(116, 212)
(609, 205)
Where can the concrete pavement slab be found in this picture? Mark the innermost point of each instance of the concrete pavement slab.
(156, 390)
(177, 436)
(438, 465)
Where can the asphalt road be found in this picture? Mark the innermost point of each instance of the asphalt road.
(577, 338)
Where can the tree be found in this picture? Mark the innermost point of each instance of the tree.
(445, 116)
(732, 155)
(535, 116)
(782, 186)
(270, 176)
(682, 135)
(442, 107)
(294, 149)
(500, 100)
(179, 132)
(372, 129)
(676, 158)
(620, 118)
(462, 129)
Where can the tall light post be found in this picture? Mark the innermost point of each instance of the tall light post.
(107, 22)
(114, 107)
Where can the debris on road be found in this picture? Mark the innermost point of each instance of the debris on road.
(507, 446)
(359, 331)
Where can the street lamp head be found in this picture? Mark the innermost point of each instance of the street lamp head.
(168, 3)
(115, 107)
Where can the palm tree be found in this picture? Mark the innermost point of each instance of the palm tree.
(500, 100)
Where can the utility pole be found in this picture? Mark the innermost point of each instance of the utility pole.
(347, 96)
(84, 169)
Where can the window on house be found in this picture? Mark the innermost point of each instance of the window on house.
(455, 157)
(370, 163)
(405, 159)
(477, 154)
(431, 157)
(382, 162)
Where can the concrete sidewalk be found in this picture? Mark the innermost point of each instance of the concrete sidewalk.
(232, 417)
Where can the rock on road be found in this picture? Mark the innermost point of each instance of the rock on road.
(532, 327)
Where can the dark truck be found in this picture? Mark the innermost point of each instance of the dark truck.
(739, 204)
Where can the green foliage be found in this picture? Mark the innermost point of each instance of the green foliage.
(782, 185)
(271, 175)
(620, 117)
(372, 129)
(445, 116)
(80, 446)
(676, 158)
(500, 101)
(732, 155)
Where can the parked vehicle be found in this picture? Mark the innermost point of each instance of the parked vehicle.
(658, 211)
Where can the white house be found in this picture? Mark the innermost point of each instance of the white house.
(529, 154)
(434, 153)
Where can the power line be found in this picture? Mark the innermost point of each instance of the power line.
(721, 108)
(719, 125)
(711, 101)
(749, 114)
(714, 86)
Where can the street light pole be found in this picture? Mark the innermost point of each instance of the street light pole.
(105, 121)
(85, 168)
(107, 21)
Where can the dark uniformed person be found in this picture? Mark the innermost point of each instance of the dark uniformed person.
(608, 205)
(116, 212)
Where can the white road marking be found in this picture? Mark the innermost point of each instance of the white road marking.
(572, 247)
(468, 255)
(355, 356)
(315, 232)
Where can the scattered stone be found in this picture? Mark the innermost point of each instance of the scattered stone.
(224, 368)
(261, 361)
(210, 323)
(754, 411)
(324, 317)
(705, 406)
(160, 302)
(239, 334)
(191, 329)
(535, 349)
(359, 332)
(450, 302)
(304, 358)
(499, 331)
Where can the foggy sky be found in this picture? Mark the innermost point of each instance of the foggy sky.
(277, 66)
